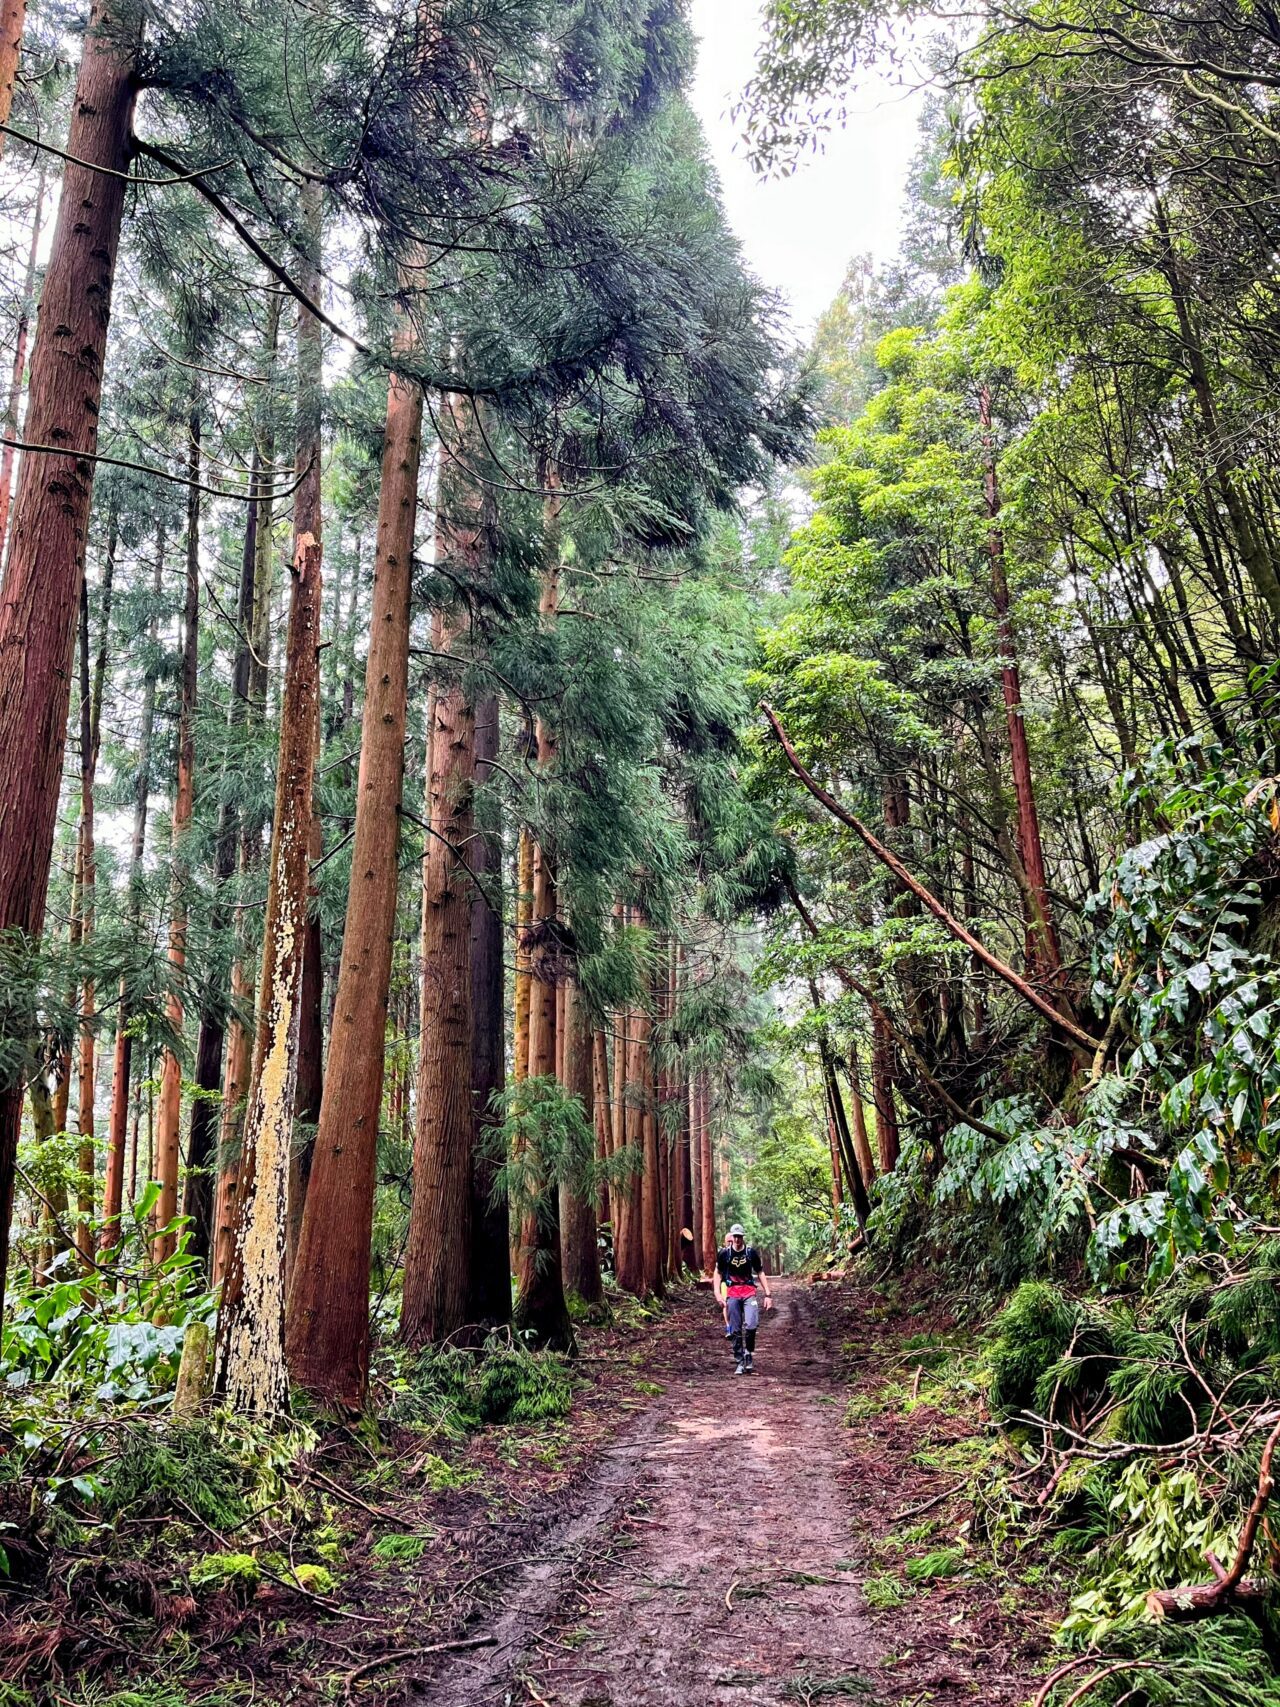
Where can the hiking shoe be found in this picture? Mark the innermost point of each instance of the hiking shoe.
(739, 1369)
(749, 1363)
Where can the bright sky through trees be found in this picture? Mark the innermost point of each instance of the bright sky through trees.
(799, 233)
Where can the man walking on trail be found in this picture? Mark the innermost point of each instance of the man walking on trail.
(738, 1267)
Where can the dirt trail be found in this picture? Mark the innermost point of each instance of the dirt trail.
(707, 1565)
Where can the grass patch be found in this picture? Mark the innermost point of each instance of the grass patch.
(942, 1562)
(885, 1590)
(443, 1478)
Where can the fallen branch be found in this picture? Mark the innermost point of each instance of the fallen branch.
(346, 1495)
(396, 1654)
(928, 1505)
(926, 896)
(1230, 1587)
(956, 1110)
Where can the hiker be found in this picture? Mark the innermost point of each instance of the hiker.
(738, 1268)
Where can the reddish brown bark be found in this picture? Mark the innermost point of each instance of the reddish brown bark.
(41, 592)
(437, 1269)
(702, 1130)
(327, 1339)
(251, 1319)
(540, 1308)
(1044, 950)
(580, 1254)
(682, 1206)
(642, 1133)
(695, 1173)
(118, 1117)
(603, 1117)
(238, 1065)
(861, 1143)
(489, 1296)
(524, 915)
(168, 1140)
(14, 402)
(13, 17)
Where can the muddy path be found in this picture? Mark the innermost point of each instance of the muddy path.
(709, 1564)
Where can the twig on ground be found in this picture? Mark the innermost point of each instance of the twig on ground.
(927, 1505)
(397, 1654)
(355, 1500)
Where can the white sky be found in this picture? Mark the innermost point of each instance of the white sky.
(799, 233)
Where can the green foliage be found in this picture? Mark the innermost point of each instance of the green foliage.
(238, 1572)
(1031, 1335)
(180, 1467)
(400, 1549)
(942, 1562)
(98, 1332)
(457, 1391)
(519, 1387)
(1219, 1664)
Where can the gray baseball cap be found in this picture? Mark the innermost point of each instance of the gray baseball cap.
(737, 1231)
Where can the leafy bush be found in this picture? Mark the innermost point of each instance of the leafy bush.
(114, 1333)
(1031, 1334)
(942, 1562)
(459, 1391)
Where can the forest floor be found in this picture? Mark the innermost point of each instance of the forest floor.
(684, 1537)
(799, 1535)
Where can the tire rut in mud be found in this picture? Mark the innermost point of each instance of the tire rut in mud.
(703, 1565)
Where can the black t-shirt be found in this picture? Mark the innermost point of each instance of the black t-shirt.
(739, 1268)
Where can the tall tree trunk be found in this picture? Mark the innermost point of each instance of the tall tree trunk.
(524, 915)
(707, 1164)
(40, 597)
(309, 1086)
(13, 15)
(628, 1247)
(695, 1174)
(540, 1308)
(651, 1228)
(438, 1256)
(91, 690)
(14, 402)
(833, 1144)
(883, 1079)
(122, 1058)
(168, 1141)
(202, 1144)
(327, 1338)
(682, 1207)
(1046, 953)
(239, 1048)
(489, 1293)
(251, 1320)
(603, 1119)
(580, 1254)
(861, 1142)
(644, 1269)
